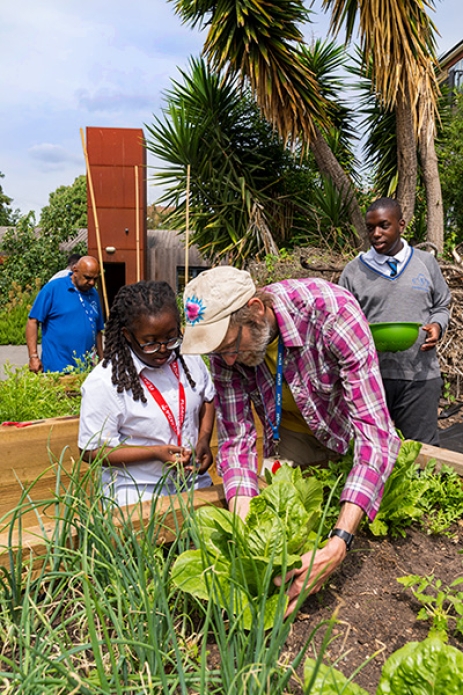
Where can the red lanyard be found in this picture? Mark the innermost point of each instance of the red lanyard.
(159, 398)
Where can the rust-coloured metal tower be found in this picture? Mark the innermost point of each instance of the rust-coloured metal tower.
(117, 215)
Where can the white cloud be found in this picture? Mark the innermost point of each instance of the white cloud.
(105, 99)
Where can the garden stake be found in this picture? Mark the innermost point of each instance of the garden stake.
(97, 226)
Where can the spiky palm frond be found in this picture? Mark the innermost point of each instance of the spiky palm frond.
(258, 41)
(379, 124)
(397, 36)
(238, 167)
(325, 59)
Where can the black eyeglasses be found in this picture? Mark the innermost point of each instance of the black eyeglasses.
(151, 348)
(235, 351)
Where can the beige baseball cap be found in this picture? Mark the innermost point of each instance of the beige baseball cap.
(209, 300)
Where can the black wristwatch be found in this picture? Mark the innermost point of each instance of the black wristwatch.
(347, 537)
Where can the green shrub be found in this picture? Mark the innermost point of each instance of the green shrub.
(13, 316)
(26, 396)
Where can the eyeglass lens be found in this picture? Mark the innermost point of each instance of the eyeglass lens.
(170, 344)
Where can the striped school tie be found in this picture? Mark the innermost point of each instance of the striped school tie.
(393, 266)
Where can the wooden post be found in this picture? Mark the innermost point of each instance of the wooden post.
(187, 225)
(137, 223)
(97, 226)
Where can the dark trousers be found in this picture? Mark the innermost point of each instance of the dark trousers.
(304, 450)
(413, 406)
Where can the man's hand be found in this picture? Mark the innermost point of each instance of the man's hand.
(35, 365)
(240, 504)
(433, 330)
(325, 561)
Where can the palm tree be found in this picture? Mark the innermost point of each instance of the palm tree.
(397, 41)
(259, 43)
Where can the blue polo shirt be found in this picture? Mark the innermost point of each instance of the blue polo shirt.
(70, 322)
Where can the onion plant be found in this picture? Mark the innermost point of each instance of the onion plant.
(97, 612)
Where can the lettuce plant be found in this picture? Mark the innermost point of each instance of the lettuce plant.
(235, 562)
(320, 679)
(403, 492)
(430, 667)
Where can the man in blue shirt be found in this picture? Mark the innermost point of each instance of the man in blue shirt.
(69, 312)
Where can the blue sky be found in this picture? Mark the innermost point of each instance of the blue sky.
(69, 64)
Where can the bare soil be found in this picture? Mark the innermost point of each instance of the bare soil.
(375, 613)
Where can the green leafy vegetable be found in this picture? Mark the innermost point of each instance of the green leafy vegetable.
(430, 667)
(27, 396)
(403, 491)
(442, 502)
(432, 498)
(236, 562)
(440, 604)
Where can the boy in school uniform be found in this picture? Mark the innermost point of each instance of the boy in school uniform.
(395, 282)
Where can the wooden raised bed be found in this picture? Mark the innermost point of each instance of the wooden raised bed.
(442, 456)
(27, 452)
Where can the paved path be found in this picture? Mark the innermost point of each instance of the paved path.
(16, 355)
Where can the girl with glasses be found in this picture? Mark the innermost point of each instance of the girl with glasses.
(145, 408)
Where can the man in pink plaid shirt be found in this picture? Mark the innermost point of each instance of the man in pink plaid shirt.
(302, 353)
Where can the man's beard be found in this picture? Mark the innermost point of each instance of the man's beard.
(261, 336)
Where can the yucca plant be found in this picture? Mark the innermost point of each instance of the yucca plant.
(245, 187)
(397, 41)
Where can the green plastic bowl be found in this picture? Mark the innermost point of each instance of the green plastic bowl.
(394, 337)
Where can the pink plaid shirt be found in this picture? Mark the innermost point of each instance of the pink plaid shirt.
(331, 367)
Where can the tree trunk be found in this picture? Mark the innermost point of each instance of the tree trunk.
(429, 166)
(329, 166)
(407, 160)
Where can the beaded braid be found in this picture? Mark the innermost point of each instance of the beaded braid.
(130, 304)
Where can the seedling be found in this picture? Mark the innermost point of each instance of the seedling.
(441, 605)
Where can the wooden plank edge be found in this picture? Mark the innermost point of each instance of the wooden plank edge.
(442, 456)
(32, 542)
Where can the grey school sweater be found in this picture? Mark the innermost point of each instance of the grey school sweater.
(418, 293)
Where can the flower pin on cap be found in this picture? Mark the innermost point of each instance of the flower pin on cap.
(209, 301)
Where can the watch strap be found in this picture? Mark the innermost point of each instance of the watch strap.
(347, 537)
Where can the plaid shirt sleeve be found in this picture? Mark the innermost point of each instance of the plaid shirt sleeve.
(237, 458)
(376, 444)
